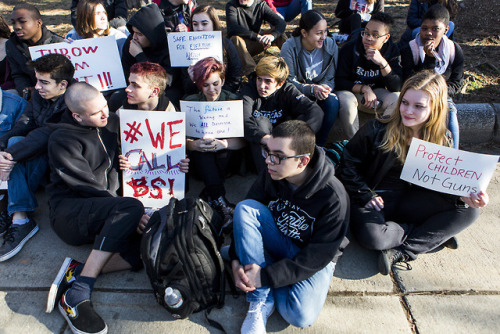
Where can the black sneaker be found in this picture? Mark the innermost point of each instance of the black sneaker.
(64, 280)
(82, 319)
(5, 221)
(15, 238)
(387, 258)
(226, 210)
(451, 243)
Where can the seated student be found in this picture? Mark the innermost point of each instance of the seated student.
(205, 18)
(268, 100)
(116, 11)
(210, 156)
(289, 9)
(176, 13)
(244, 19)
(85, 208)
(28, 31)
(354, 14)
(92, 22)
(387, 213)
(148, 42)
(369, 73)
(415, 14)
(431, 49)
(6, 81)
(23, 159)
(290, 231)
(146, 88)
(312, 59)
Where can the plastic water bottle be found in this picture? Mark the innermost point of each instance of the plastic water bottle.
(173, 297)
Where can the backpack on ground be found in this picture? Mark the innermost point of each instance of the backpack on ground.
(180, 250)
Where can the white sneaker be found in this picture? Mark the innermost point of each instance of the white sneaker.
(257, 315)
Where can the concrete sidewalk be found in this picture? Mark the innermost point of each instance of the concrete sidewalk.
(451, 291)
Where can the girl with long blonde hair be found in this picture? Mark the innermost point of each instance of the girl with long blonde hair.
(388, 214)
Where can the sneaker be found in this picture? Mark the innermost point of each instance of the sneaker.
(64, 280)
(389, 257)
(15, 238)
(257, 315)
(5, 222)
(451, 243)
(226, 210)
(82, 319)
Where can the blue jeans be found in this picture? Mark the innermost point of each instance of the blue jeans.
(294, 8)
(258, 240)
(23, 182)
(330, 107)
(453, 122)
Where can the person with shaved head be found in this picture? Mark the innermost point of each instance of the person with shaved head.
(85, 206)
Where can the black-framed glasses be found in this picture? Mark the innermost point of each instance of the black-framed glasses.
(374, 36)
(276, 159)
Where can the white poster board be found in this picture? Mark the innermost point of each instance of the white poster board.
(220, 119)
(186, 48)
(96, 60)
(447, 170)
(154, 143)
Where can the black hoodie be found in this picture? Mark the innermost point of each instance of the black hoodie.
(83, 160)
(315, 216)
(354, 68)
(149, 21)
(262, 114)
(18, 56)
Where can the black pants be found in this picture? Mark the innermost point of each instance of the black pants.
(211, 167)
(109, 223)
(417, 221)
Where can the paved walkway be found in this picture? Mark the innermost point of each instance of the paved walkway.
(451, 291)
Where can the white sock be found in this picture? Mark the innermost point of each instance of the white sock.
(20, 221)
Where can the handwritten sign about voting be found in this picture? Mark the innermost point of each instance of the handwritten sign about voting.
(96, 60)
(447, 170)
(154, 143)
(186, 48)
(220, 119)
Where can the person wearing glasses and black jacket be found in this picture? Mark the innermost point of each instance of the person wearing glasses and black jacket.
(369, 73)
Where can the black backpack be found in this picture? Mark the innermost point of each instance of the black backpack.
(180, 249)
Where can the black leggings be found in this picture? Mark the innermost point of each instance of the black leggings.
(109, 223)
(211, 167)
(416, 221)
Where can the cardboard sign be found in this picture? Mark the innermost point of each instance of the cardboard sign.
(96, 60)
(447, 170)
(154, 142)
(186, 48)
(220, 119)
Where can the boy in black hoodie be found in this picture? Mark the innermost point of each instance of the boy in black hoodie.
(268, 100)
(29, 30)
(148, 42)
(369, 73)
(23, 158)
(290, 231)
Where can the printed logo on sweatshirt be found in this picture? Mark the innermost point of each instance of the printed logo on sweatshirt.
(290, 219)
(273, 116)
(367, 73)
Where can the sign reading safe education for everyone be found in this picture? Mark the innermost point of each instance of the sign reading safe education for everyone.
(96, 60)
(447, 170)
(219, 119)
(186, 48)
(154, 143)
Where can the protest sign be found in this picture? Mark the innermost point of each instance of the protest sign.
(219, 119)
(186, 48)
(447, 170)
(96, 60)
(154, 143)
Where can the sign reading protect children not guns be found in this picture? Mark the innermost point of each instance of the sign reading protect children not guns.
(447, 170)
(96, 60)
(154, 143)
(186, 48)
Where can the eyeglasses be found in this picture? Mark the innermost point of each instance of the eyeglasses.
(276, 159)
(374, 36)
